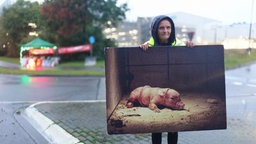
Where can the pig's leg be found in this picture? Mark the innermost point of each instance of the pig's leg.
(153, 107)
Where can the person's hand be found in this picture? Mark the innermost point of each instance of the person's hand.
(190, 44)
(144, 46)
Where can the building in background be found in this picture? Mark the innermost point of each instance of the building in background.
(126, 34)
(207, 31)
(143, 25)
(201, 26)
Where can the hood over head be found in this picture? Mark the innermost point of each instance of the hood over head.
(154, 30)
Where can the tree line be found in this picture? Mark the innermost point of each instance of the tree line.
(62, 22)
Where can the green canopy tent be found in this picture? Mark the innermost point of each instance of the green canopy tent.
(41, 47)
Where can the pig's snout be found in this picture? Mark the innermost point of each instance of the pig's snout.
(129, 105)
(180, 105)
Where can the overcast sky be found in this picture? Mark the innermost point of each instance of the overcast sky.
(226, 11)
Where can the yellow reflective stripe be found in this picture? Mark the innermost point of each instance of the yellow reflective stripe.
(151, 42)
(180, 43)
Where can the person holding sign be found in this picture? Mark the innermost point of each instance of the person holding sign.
(163, 34)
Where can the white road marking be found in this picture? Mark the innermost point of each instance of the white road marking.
(40, 102)
(237, 83)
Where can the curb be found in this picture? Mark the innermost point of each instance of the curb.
(51, 131)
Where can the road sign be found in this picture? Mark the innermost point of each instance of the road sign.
(91, 39)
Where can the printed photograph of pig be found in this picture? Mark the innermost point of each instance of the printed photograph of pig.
(152, 97)
(165, 89)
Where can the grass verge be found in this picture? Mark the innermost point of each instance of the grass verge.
(53, 72)
(232, 58)
(238, 57)
(65, 69)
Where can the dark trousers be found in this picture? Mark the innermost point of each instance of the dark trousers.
(172, 138)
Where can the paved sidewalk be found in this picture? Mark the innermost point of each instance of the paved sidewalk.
(86, 122)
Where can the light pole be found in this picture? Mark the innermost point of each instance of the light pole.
(250, 28)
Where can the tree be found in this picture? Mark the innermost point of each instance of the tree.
(72, 22)
(14, 24)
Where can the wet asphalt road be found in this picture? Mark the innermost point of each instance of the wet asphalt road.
(19, 91)
(18, 88)
(241, 81)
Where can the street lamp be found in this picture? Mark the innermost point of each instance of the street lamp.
(250, 28)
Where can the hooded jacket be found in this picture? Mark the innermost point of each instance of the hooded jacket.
(154, 40)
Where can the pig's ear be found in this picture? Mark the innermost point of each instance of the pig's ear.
(161, 93)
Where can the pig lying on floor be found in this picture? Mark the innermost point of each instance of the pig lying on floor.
(153, 97)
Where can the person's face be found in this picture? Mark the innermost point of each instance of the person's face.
(164, 31)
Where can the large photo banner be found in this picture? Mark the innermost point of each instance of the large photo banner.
(165, 89)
